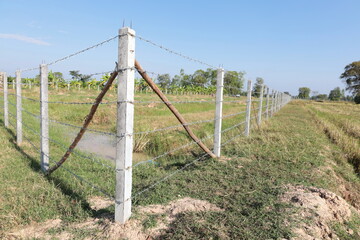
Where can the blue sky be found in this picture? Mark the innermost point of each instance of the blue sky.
(290, 44)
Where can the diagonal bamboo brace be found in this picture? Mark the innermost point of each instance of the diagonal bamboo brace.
(87, 121)
(172, 108)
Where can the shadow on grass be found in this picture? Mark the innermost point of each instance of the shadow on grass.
(34, 164)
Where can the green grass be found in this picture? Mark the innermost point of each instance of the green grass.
(288, 149)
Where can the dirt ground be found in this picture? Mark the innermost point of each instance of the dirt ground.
(317, 210)
(105, 228)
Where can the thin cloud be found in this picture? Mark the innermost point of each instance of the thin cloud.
(63, 32)
(24, 39)
(34, 24)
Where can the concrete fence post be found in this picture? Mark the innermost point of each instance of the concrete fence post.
(267, 102)
(44, 117)
(125, 123)
(260, 105)
(248, 109)
(279, 101)
(272, 102)
(6, 101)
(18, 108)
(218, 111)
(68, 86)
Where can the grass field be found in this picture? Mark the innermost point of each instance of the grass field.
(305, 143)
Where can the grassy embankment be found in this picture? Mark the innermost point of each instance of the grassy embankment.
(289, 149)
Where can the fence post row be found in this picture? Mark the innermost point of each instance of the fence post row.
(44, 117)
(125, 122)
(248, 109)
(125, 116)
(260, 105)
(6, 101)
(18, 108)
(218, 111)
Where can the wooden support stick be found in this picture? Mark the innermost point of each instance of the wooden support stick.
(172, 108)
(87, 121)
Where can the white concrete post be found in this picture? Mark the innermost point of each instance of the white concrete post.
(272, 102)
(44, 113)
(30, 84)
(260, 104)
(125, 123)
(267, 102)
(248, 109)
(218, 111)
(6, 101)
(18, 108)
(68, 86)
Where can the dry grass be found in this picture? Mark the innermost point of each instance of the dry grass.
(343, 131)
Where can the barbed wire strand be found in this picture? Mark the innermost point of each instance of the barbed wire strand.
(63, 167)
(81, 51)
(175, 53)
(23, 97)
(181, 147)
(65, 147)
(168, 176)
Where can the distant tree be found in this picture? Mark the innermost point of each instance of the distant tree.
(11, 79)
(58, 76)
(321, 97)
(77, 76)
(314, 95)
(287, 93)
(357, 99)
(234, 82)
(351, 76)
(257, 86)
(183, 79)
(164, 80)
(304, 92)
(335, 94)
(199, 78)
(211, 76)
(349, 98)
(176, 81)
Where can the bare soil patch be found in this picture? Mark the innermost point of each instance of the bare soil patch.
(105, 228)
(318, 209)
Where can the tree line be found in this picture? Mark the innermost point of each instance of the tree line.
(337, 94)
(351, 78)
(201, 82)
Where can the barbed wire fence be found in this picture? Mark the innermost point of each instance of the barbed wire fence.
(48, 135)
